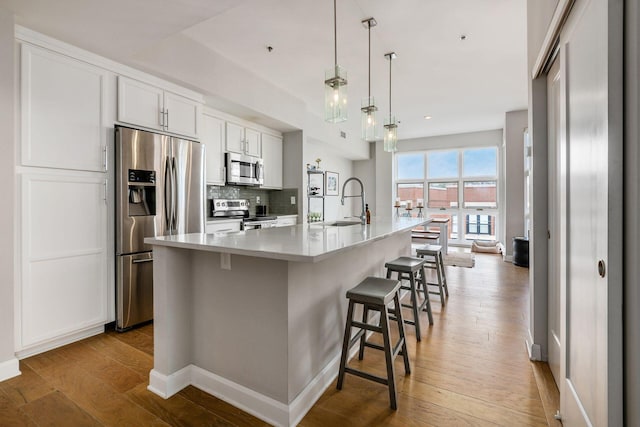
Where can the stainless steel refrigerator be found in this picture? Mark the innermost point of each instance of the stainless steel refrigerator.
(160, 190)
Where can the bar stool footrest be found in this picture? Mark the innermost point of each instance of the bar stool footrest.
(366, 375)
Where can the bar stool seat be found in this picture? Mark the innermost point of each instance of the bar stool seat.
(432, 254)
(411, 269)
(375, 293)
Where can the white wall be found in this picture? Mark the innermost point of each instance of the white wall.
(539, 14)
(334, 162)
(7, 194)
(513, 159)
(366, 171)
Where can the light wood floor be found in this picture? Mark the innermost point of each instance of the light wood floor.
(471, 368)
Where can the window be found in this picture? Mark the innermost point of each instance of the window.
(480, 194)
(480, 162)
(443, 195)
(459, 184)
(410, 166)
(442, 164)
(411, 192)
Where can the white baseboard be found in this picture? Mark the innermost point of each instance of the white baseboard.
(259, 405)
(166, 386)
(507, 258)
(9, 369)
(59, 342)
(534, 350)
(256, 404)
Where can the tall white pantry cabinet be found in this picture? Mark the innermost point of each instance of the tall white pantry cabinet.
(63, 208)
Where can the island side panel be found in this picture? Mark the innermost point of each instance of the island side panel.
(240, 321)
(172, 299)
(318, 306)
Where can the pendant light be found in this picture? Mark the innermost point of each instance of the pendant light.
(335, 84)
(390, 124)
(368, 109)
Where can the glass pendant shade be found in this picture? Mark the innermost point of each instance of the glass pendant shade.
(390, 135)
(335, 95)
(369, 120)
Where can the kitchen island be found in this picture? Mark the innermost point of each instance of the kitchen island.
(256, 317)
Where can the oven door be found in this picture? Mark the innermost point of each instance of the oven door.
(243, 170)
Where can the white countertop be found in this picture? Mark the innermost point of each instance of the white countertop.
(303, 242)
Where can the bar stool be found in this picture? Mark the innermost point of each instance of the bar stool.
(375, 293)
(432, 255)
(408, 268)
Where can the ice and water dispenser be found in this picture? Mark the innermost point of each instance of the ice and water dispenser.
(142, 192)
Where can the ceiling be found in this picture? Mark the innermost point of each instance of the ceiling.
(464, 85)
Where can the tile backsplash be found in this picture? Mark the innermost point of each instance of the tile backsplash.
(278, 201)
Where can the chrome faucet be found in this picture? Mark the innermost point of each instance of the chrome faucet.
(363, 216)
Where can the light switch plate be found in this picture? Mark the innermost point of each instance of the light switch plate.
(293, 200)
(257, 200)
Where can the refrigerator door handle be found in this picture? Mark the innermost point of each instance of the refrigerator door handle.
(168, 202)
(174, 196)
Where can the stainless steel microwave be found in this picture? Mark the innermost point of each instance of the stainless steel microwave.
(244, 170)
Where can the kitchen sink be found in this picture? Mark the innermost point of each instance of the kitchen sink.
(343, 223)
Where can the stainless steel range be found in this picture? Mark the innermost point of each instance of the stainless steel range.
(239, 208)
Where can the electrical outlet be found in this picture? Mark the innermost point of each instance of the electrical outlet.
(225, 261)
(257, 200)
(293, 200)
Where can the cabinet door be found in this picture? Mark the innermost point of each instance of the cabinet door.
(64, 255)
(286, 222)
(235, 138)
(272, 156)
(212, 137)
(63, 111)
(253, 146)
(140, 104)
(182, 115)
(222, 227)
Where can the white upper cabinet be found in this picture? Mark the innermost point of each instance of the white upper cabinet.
(212, 136)
(243, 140)
(272, 156)
(63, 103)
(151, 107)
(182, 115)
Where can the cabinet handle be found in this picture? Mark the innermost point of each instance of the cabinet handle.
(140, 261)
(105, 158)
(602, 269)
(104, 184)
(166, 126)
(162, 118)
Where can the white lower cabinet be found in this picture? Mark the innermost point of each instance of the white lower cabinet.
(222, 226)
(64, 256)
(285, 221)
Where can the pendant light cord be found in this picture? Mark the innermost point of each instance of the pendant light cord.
(335, 35)
(369, 26)
(390, 59)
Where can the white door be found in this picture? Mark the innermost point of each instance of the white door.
(554, 126)
(591, 392)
